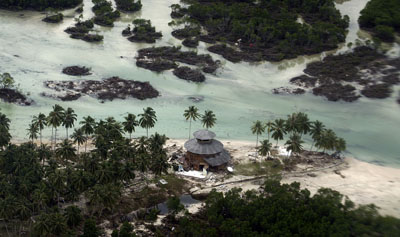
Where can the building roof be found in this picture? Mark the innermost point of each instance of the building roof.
(219, 159)
(204, 135)
(209, 148)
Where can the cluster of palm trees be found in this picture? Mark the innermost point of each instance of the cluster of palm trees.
(295, 126)
(37, 182)
(67, 118)
(208, 119)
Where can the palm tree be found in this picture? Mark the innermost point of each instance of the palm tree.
(265, 148)
(73, 216)
(278, 130)
(292, 123)
(294, 143)
(4, 121)
(191, 114)
(147, 119)
(69, 119)
(32, 131)
(268, 125)
(65, 150)
(55, 119)
(208, 119)
(340, 144)
(57, 182)
(327, 140)
(304, 124)
(40, 122)
(78, 137)
(316, 129)
(129, 124)
(87, 127)
(258, 128)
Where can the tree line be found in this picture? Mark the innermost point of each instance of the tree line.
(39, 4)
(295, 126)
(382, 17)
(40, 184)
(282, 210)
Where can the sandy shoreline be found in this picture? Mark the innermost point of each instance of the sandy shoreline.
(362, 182)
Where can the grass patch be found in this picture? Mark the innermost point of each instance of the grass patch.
(268, 167)
(175, 184)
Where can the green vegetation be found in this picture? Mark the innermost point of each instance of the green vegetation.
(268, 29)
(382, 17)
(192, 113)
(38, 5)
(6, 80)
(284, 210)
(39, 185)
(54, 18)
(143, 31)
(296, 125)
(129, 5)
(208, 119)
(104, 13)
(265, 167)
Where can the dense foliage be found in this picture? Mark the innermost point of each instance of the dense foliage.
(271, 29)
(38, 4)
(382, 17)
(36, 182)
(128, 5)
(105, 14)
(285, 210)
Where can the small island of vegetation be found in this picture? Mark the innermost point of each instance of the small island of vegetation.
(10, 93)
(143, 32)
(128, 5)
(263, 30)
(38, 5)
(104, 13)
(382, 18)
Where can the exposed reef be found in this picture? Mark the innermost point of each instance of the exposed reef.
(81, 31)
(108, 89)
(56, 18)
(189, 74)
(288, 90)
(165, 58)
(76, 71)
(13, 96)
(349, 76)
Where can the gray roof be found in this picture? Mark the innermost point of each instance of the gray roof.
(204, 135)
(219, 159)
(213, 147)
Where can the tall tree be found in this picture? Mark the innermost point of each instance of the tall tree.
(69, 119)
(278, 130)
(340, 144)
(147, 119)
(32, 131)
(327, 140)
(258, 128)
(87, 127)
(129, 124)
(78, 137)
(268, 126)
(65, 150)
(192, 113)
(265, 148)
(54, 120)
(315, 131)
(208, 119)
(40, 122)
(304, 124)
(294, 144)
(4, 130)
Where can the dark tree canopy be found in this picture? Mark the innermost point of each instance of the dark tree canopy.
(382, 17)
(274, 28)
(38, 4)
(285, 210)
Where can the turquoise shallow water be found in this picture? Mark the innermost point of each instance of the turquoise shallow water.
(239, 94)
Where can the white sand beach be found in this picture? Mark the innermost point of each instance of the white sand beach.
(362, 182)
